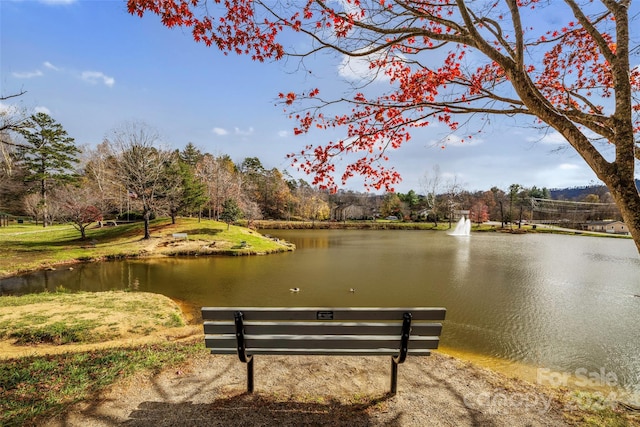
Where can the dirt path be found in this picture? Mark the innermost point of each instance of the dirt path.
(306, 390)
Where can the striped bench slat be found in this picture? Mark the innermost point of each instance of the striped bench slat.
(360, 314)
(320, 328)
(323, 341)
(355, 331)
(322, 352)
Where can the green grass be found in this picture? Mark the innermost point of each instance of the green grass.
(86, 317)
(56, 333)
(27, 247)
(35, 388)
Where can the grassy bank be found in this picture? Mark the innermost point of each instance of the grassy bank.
(79, 325)
(88, 317)
(27, 247)
(39, 387)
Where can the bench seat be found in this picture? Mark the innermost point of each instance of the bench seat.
(358, 331)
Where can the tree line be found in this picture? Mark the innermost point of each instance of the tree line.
(445, 63)
(132, 176)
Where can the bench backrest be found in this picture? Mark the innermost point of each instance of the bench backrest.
(322, 330)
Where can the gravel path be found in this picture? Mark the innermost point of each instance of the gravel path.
(308, 390)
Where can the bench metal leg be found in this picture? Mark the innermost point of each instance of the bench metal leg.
(404, 348)
(394, 376)
(250, 376)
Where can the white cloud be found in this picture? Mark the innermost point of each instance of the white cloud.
(41, 109)
(357, 68)
(50, 66)
(456, 141)
(28, 74)
(8, 109)
(244, 132)
(551, 138)
(220, 131)
(283, 133)
(568, 166)
(94, 77)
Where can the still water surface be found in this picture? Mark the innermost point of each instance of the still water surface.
(560, 302)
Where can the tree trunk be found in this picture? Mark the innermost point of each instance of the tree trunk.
(627, 198)
(520, 218)
(146, 216)
(43, 198)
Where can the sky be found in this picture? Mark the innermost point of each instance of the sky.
(92, 67)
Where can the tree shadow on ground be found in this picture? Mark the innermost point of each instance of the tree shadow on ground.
(247, 409)
(319, 391)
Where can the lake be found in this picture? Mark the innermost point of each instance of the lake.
(563, 303)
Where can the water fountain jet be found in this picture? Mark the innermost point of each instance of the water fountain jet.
(463, 227)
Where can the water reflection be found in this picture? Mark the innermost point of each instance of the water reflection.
(560, 302)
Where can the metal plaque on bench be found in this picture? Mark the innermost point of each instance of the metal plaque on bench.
(324, 315)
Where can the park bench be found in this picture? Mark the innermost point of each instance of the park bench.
(180, 236)
(395, 332)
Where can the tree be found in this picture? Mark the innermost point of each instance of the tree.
(194, 191)
(392, 206)
(172, 185)
(411, 200)
(12, 119)
(513, 196)
(100, 171)
(12, 177)
(191, 155)
(77, 204)
(498, 197)
(32, 205)
(230, 212)
(444, 59)
(220, 179)
(48, 156)
(182, 191)
(452, 192)
(479, 212)
(141, 165)
(431, 185)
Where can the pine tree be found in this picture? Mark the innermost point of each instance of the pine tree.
(48, 155)
(230, 212)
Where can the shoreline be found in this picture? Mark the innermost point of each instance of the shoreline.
(164, 245)
(124, 242)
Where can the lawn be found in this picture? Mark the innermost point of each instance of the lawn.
(27, 247)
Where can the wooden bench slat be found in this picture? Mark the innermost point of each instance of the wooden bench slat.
(311, 313)
(322, 341)
(325, 351)
(323, 328)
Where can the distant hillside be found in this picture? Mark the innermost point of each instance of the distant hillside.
(578, 193)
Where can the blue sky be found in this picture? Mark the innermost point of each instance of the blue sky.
(92, 66)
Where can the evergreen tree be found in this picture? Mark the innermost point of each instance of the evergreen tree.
(230, 212)
(191, 155)
(48, 155)
(195, 196)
